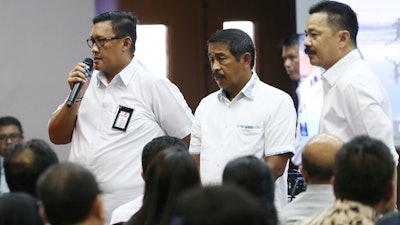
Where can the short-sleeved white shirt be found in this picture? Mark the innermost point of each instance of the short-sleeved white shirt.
(114, 156)
(356, 103)
(259, 121)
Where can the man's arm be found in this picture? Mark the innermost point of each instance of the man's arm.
(62, 122)
(277, 163)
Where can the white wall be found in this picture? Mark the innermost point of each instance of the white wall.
(302, 7)
(41, 41)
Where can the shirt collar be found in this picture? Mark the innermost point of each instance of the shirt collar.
(248, 90)
(125, 75)
(333, 74)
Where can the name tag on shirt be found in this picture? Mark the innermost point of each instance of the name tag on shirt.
(122, 118)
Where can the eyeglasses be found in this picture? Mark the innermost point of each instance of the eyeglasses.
(100, 42)
(13, 137)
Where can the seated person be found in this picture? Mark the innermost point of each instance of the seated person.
(24, 163)
(363, 182)
(170, 173)
(317, 170)
(69, 194)
(255, 176)
(219, 205)
(124, 212)
(18, 208)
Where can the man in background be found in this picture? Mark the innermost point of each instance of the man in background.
(308, 88)
(10, 133)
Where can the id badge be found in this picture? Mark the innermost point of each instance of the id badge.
(123, 117)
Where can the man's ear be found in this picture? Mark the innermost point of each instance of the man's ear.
(246, 58)
(304, 174)
(42, 215)
(127, 42)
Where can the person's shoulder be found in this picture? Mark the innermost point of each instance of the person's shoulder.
(272, 91)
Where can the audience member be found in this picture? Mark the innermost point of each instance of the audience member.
(245, 117)
(363, 183)
(124, 212)
(19, 208)
(169, 174)
(255, 176)
(10, 133)
(317, 170)
(125, 106)
(355, 101)
(24, 163)
(216, 205)
(69, 194)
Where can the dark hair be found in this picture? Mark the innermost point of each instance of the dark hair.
(24, 163)
(67, 191)
(158, 144)
(340, 17)
(10, 120)
(18, 208)
(363, 170)
(291, 40)
(237, 41)
(170, 173)
(123, 24)
(216, 205)
(255, 176)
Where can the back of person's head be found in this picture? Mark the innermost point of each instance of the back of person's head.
(18, 208)
(68, 193)
(238, 42)
(252, 174)
(216, 205)
(24, 163)
(291, 40)
(170, 173)
(318, 158)
(340, 17)
(391, 218)
(123, 24)
(255, 176)
(363, 171)
(158, 144)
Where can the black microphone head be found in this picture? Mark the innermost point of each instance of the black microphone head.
(89, 62)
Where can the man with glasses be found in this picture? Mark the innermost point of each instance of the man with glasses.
(124, 107)
(10, 133)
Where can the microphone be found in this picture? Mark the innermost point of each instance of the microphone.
(78, 86)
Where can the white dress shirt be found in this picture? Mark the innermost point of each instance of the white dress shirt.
(113, 155)
(259, 121)
(356, 103)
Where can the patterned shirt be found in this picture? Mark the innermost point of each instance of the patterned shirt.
(343, 212)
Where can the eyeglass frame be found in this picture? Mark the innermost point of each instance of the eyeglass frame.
(103, 41)
(13, 137)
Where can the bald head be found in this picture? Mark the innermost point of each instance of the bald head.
(318, 157)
